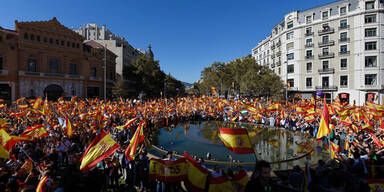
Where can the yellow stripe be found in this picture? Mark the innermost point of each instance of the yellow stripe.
(97, 150)
(235, 140)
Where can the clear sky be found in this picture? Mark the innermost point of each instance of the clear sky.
(186, 35)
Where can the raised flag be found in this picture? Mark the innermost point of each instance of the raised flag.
(241, 178)
(37, 131)
(41, 187)
(127, 124)
(37, 103)
(137, 138)
(166, 170)
(220, 184)
(100, 148)
(236, 140)
(68, 125)
(27, 167)
(324, 122)
(4, 153)
(196, 174)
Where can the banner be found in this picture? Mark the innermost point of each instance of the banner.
(168, 171)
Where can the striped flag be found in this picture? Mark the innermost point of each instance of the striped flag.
(41, 187)
(324, 122)
(137, 138)
(236, 140)
(127, 124)
(196, 174)
(68, 125)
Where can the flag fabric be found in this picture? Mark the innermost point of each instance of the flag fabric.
(4, 137)
(220, 184)
(41, 187)
(37, 131)
(68, 125)
(100, 148)
(196, 174)
(127, 124)
(241, 178)
(27, 167)
(137, 138)
(166, 170)
(4, 153)
(213, 90)
(236, 140)
(37, 103)
(324, 122)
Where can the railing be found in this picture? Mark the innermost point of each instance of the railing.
(309, 57)
(344, 40)
(278, 53)
(326, 43)
(94, 78)
(329, 87)
(341, 53)
(3, 72)
(273, 47)
(326, 31)
(278, 63)
(307, 34)
(278, 43)
(343, 86)
(308, 87)
(308, 45)
(292, 88)
(272, 65)
(273, 56)
(344, 27)
(343, 68)
(326, 55)
(326, 70)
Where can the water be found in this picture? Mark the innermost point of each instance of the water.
(272, 145)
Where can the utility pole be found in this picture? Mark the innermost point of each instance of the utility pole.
(105, 72)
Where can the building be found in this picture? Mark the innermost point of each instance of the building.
(336, 48)
(46, 58)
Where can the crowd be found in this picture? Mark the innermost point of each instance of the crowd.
(45, 141)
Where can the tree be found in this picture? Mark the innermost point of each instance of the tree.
(119, 89)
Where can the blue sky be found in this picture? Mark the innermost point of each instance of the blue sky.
(186, 35)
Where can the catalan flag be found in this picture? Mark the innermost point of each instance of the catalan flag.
(137, 138)
(101, 147)
(236, 140)
(324, 122)
(196, 174)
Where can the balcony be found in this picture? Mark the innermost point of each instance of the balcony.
(326, 88)
(278, 53)
(54, 75)
(343, 27)
(327, 70)
(309, 87)
(326, 31)
(272, 65)
(309, 57)
(326, 43)
(273, 47)
(292, 88)
(273, 56)
(73, 76)
(326, 55)
(278, 63)
(344, 53)
(3, 72)
(94, 78)
(308, 45)
(307, 34)
(344, 40)
(278, 44)
(28, 73)
(343, 86)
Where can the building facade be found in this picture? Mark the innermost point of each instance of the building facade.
(46, 58)
(336, 48)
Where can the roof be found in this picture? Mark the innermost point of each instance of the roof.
(94, 44)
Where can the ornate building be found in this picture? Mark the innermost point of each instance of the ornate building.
(46, 58)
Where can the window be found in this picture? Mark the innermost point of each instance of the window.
(326, 27)
(77, 45)
(279, 70)
(308, 82)
(1, 63)
(309, 67)
(290, 56)
(32, 37)
(25, 35)
(370, 32)
(73, 44)
(309, 53)
(1, 38)
(290, 82)
(50, 40)
(290, 35)
(32, 65)
(370, 18)
(325, 39)
(291, 68)
(53, 66)
(325, 64)
(57, 42)
(369, 5)
(308, 19)
(325, 81)
(38, 38)
(370, 46)
(325, 15)
(289, 24)
(308, 42)
(62, 43)
(290, 46)
(343, 48)
(344, 81)
(370, 79)
(45, 40)
(73, 69)
(325, 51)
(371, 61)
(343, 64)
(343, 10)
(343, 36)
(93, 71)
(308, 30)
(343, 24)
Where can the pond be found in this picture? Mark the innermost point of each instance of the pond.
(284, 149)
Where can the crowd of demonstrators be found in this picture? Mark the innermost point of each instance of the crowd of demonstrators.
(45, 154)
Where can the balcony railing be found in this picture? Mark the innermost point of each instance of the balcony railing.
(54, 75)
(292, 88)
(344, 27)
(308, 87)
(308, 45)
(343, 53)
(326, 31)
(307, 34)
(278, 63)
(326, 55)
(272, 65)
(278, 43)
(273, 56)
(3, 72)
(94, 78)
(326, 70)
(343, 86)
(278, 53)
(344, 40)
(326, 43)
(329, 88)
(273, 47)
(309, 57)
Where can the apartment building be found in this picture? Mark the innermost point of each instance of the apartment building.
(336, 48)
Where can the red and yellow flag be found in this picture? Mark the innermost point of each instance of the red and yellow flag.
(101, 147)
(68, 126)
(236, 140)
(241, 178)
(4, 153)
(37, 103)
(41, 187)
(166, 170)
(27, 167)
(324, 122)
(220, 184)
(137, 138)
(196, 174)
(37, 131)
(127, 124)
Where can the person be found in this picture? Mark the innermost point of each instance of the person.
(260, 179)
(141, 168)
(167, 186)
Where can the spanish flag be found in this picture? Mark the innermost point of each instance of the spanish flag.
(27, 167)
(137, 138)
(324, 122)
(220, 184)
(236, 140)
(41, 187)
(241, 178)
(68, 126)
(37, 131)
(127, 124)
(101, 147)
(196, 174)
(37, 103)
(4, 153)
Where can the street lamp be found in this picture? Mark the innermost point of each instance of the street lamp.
(286, 82)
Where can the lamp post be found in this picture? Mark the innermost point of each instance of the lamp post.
(286, 82)
(105, 72)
